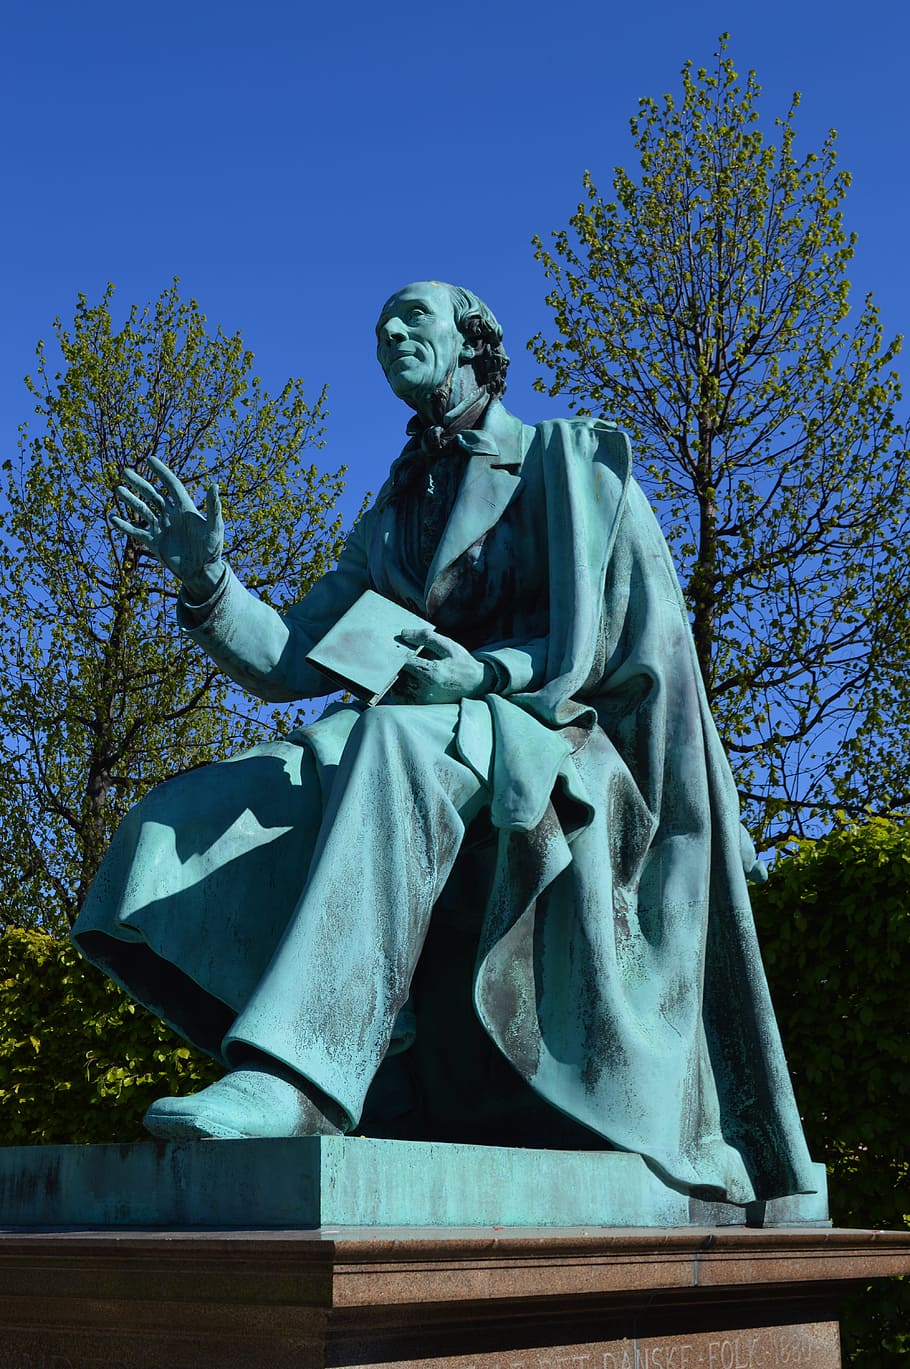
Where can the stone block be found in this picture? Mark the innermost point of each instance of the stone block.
(344, 1181)
(733, 1298)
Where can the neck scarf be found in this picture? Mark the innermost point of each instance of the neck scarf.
(429, 442)
(433, 438)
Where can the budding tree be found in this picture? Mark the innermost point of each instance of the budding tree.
(705, 307)
(102, 696)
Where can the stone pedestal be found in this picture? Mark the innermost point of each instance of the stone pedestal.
(477, 1299)
(341, 1251)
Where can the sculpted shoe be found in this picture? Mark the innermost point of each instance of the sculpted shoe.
(246, 1103)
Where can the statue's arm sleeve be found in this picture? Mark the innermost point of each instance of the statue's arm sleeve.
(264, 651)
(516, 669)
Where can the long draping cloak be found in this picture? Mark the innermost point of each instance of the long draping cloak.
(617, 965)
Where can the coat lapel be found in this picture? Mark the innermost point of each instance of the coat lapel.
(491, 481)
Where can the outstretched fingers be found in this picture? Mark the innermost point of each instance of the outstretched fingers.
(140, 535)
(213, 505)
(142, 487)
(137, 504)
(171, 482)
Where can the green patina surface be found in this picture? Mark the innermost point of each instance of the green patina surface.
(508, 903)
(314, 1181)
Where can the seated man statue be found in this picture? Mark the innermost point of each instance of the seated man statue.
(508, 903)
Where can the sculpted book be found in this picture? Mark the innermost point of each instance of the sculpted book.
(363, 651)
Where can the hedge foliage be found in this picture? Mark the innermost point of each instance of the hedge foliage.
(834, 924)
(78, 1060)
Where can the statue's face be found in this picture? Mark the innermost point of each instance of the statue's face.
(417, 341)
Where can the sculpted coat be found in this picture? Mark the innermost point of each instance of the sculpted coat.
(574, 830)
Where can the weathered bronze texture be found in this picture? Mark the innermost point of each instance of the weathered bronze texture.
(506, 905)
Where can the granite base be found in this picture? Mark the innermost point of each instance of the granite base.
(478, 1299)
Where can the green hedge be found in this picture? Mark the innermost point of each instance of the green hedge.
(834, 925)
(78, 1060)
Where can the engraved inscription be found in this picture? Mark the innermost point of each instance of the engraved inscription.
(812, 1345)
(808, 1346)
(678, 1355)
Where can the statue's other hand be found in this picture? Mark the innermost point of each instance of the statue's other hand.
(188, 542)
(447, 673)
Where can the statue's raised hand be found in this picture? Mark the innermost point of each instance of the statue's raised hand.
(188, 542)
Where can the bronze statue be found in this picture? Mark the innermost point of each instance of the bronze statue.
(508, 902)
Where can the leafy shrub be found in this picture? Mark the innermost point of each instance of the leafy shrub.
(79, 1061)
(834, 923)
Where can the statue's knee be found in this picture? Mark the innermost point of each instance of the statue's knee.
(157, 801)
(393, 730)
(415, 735)
(181, 793)
(382, 724)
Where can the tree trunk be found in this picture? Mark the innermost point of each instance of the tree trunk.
(703, 583)
(93, 836)
(93, 828)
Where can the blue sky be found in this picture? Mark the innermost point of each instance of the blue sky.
(293, 163)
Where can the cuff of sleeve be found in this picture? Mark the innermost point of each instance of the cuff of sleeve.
(515, 668)
(191, 615)
(496, 679)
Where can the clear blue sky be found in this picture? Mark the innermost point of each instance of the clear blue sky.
(295, 162)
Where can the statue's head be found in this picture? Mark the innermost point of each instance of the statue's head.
(433, 338)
